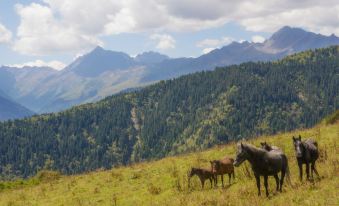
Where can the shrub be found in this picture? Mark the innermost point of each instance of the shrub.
(154, 190)
(46, 175)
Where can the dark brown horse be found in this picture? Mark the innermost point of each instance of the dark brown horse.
(307, 153)
(264, 163)
(203, 175)
(221, 167)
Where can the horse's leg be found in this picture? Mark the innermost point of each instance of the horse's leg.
(277, 181)
(202, 183)
(300, 171)
(222, 180)
(211, 182)
(257, 178)
(229, 178)
(315, 170)
(283, 172)
(308, 171)
(266, 184)
(216, 181)
(233, 175)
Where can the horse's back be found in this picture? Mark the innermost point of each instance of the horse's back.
(227, 160)
(312, 146)
(276, 148)
(226, 165)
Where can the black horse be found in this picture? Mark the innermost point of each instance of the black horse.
(306, 153)
(264, 163)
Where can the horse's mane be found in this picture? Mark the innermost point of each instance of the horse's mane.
(252, 147)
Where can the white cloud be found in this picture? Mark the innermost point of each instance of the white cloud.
(207, 50)
(211, 44)
(5, 34)
(258, 39)
(215, 42)
(57, 65)
(40, 33)
(74, 26)
(164, 41)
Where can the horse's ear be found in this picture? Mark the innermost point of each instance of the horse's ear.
(262, 143)
(293, 139)
(242, 146)
(299, 137)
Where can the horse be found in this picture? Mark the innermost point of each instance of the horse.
(221, 167)
(306, 153)
(268, 147)
(264, 163)
(203, 175)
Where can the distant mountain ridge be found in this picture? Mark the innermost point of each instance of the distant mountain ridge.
(99, 61)
(150, 57)
(10, 109)
(284, 42)
(101, 72)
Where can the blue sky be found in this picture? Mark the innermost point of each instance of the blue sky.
(54, 32)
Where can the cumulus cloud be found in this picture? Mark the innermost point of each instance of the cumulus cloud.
(5, 34)
(208, 50)
(40, 33)
(318, 18)
(215, 42)
(211, 44)
(64, 25)
(258, 39)
(164, 41)
(57, 65)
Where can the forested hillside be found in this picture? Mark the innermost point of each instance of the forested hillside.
(165, 182)
(189, 113)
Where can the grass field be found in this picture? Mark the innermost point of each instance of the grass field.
(164, 182)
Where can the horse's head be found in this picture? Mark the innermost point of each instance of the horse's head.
(193, 172)
(215, 165)
(298, 146)
(242, 155)
(265, 146)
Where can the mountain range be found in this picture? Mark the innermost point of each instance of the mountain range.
(10, 109)
(101, 73)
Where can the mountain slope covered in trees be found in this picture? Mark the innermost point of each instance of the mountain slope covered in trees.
(192, 112)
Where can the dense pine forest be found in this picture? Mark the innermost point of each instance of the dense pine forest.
(189, 113)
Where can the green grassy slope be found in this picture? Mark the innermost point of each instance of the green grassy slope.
(164, 182)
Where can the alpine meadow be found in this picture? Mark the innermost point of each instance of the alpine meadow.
(165, 182)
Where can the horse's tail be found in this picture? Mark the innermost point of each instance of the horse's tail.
(288, 177)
